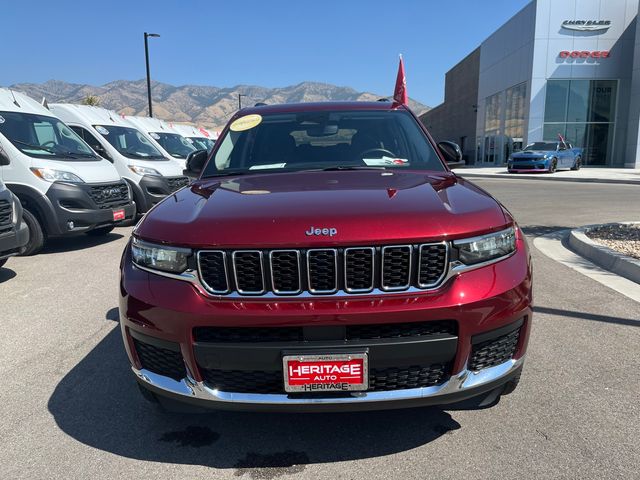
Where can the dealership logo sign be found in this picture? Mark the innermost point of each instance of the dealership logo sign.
(584, 54)
(586, 25)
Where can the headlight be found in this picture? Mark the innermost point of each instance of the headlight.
(51, 175)
(160, 257)
(144, 170)
(481, 249)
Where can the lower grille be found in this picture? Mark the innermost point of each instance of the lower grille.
(385, 379)
(380, 379)
(494, 352)
(247, 334)
(6, 216)
(109, 195)
(161, 360)
(176, 183)
(400, 330)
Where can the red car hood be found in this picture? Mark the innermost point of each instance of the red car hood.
(365, 207)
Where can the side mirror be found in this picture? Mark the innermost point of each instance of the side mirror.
(452, 153)
(195, 162)
(4, 159)
(100, 150)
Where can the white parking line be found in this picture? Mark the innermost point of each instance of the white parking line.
(551, 245)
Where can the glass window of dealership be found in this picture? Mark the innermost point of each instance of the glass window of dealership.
(582, 82)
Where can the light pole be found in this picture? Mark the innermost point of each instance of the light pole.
(240, 95)
(146, 56)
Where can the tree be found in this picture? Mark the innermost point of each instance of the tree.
(91, 100)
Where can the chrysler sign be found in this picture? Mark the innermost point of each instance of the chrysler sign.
(586, 25)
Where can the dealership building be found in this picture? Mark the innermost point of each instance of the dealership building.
(568, 67)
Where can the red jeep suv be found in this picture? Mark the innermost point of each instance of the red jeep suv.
(326, 258)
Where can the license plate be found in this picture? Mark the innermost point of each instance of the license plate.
(326, 373)
(118, 215)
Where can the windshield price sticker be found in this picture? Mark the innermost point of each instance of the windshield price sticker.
(101, 130)
(246, 123)
(1, 119)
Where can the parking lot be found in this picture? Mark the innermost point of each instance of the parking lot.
(70, 406)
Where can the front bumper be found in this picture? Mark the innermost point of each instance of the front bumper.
(482, 303)
(73, 209)
(13, 242)
(529, 166)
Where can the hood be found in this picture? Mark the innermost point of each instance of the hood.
(530, 153)
(364, 207)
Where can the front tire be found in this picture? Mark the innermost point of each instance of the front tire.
(37, 235)
(578, 164)
(100, 232)
(554, 166)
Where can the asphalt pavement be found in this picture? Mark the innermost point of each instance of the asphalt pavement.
(70, 407)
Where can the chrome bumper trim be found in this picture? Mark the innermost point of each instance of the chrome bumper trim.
(465, 380)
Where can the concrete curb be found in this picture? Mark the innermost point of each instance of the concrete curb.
(613, 261)
(547, 177)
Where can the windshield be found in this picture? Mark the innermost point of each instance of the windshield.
(176, 145)
(202, 143)
(324, 140)
(129, 142)
(545, 146)
(41, 136)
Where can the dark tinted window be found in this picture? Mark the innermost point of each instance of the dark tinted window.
(318, 140)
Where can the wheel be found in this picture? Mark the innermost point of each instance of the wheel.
(578, 164)
(37, 235)
(100, 232)
(2, 262)
(554, 166)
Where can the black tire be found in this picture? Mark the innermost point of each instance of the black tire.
(511, 385)
(2, 262)
(554, 166)
(578, 164)
(37, 235)
(101, 232)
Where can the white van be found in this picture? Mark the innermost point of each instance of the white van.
(200, 138)
(64, 187)
(166, 138)
(150, 174)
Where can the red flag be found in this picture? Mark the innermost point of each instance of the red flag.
(400, 92)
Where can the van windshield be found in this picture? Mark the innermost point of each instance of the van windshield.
(176, 145)
(129, 142)
(202, 143)
(323, 140)
(41, 136)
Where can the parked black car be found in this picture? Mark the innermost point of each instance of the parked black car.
(14, 233)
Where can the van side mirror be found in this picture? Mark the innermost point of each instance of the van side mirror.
(451, 153)
(195, 162)
(100, 150)
(4, 158)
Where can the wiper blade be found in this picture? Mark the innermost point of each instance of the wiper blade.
(35, 147)
(348, 167)
(231, 173)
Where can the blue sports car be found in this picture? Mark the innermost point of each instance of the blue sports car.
(545, 157)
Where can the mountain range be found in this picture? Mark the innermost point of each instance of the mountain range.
(206, 106)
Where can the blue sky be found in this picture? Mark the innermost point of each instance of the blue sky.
(270, 43)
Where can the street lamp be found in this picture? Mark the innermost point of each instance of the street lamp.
(240, 95)
(146, 55)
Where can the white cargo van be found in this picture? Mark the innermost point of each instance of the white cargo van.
(64, 187)
(150, 174)
(200, 138)
(166, 138)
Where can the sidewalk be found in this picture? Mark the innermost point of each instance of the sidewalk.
(598, 175)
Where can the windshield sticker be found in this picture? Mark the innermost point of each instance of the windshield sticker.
(384, 161)
(1, 119)
(101, 130)
(245, 123)
(189, 141)
(271, 165)
(154, 135)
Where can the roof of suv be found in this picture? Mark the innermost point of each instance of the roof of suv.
(321, 106)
